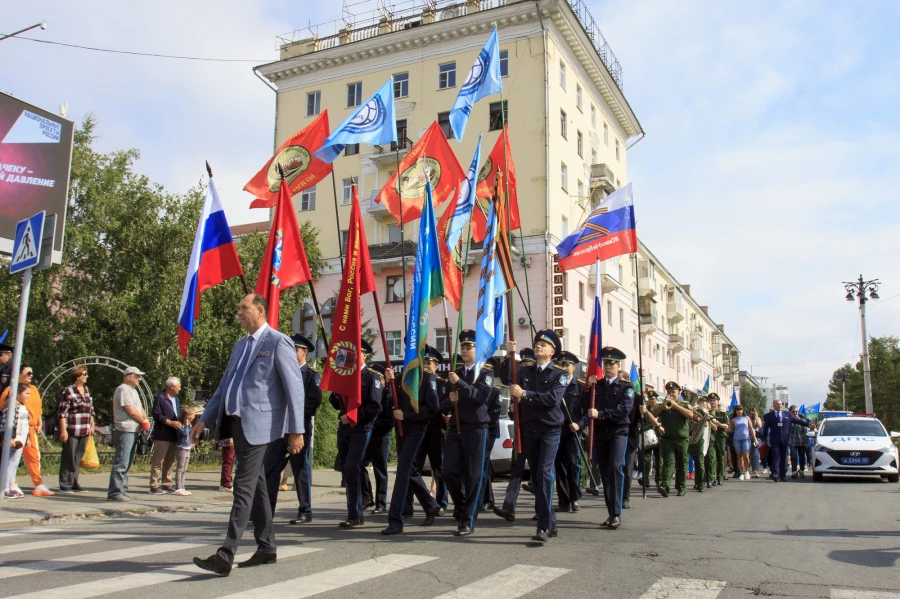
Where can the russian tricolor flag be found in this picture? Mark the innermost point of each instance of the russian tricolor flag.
(214, 259)
(608, 231)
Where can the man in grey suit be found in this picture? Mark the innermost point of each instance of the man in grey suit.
(260, 399)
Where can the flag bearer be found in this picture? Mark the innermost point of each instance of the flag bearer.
(495, 408)
(378, 450)
(568, 458)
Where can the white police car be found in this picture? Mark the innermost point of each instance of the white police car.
(855, 446)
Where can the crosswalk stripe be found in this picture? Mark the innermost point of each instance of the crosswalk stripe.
(34, 530)
(59, 543)
(507, 584)
(684, 588)
(103, 556)
(96, 588)
(336, 578)
(853, 594)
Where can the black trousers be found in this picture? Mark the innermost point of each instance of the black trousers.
(516, 472)
(634, 445)
(70, 461)
(408, 479)
(352, 446)
(568, 468)
(377, 455)
(487, 492)
(610, 445)
(277, 457)
(432, 447)
(463, 471)
(251, 499)
(540, 447)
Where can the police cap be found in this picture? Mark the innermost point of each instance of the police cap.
(301, 341)
(611, 354)
(432, 353)
(366, 347)
(549, 336)
(527, 355)
(566, 358)
(467, 337)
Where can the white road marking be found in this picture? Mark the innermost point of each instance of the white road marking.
(852, 594)
(96, 588)
(329, 580)
(507, 584)
(89, 558)
(684, 588)
(59, 543)
(34, 530)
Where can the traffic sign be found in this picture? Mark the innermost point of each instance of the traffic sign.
(27, 245)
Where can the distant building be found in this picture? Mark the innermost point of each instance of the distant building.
(776, 392)
(746, 377)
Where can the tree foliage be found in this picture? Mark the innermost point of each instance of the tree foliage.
(884, 360)
(752, 398)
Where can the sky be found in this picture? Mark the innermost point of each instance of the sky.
(767, 176)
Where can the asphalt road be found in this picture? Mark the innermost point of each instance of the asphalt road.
(836, 539)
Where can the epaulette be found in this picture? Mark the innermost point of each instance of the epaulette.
(375, 372)
(558, 367)
(582, 381)
(487, 367)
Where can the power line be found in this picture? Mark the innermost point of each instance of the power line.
(146, 54)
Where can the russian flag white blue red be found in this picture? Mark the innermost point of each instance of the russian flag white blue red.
(608, 231)
(214, 259)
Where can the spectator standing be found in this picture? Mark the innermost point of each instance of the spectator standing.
(5, 366)
(31, 453)
(798, 447)
(183, 453)
(76, 424)
(165, 437)
(18, 440)
(128, 419)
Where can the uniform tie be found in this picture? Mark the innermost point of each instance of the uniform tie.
(235, 388)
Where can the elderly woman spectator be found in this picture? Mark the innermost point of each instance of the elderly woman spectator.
(166, 408)
(76, 425)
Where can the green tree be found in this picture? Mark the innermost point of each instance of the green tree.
(884, 360)
(752, 398)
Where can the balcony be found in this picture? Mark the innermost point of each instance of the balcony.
(716, 349)
(646, 279)
(674, 305)
(676, 342)
(609, 276)
(697, 353)
(602, 180)
(648, 315)
(377, 211)
(389, 155)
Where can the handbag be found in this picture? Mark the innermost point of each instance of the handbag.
(144, 443)
(90, 460)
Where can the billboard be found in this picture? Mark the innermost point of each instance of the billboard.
(35, 158)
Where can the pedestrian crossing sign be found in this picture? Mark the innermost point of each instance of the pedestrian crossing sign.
(27, 246)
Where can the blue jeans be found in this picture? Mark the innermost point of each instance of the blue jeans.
(798, 458)
(125, 448)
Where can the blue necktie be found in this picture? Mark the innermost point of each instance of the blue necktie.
(238, 377)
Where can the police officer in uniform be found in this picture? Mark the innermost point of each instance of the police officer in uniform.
(495, 407)
(612, 412)
(378, 450)
(568, 459)
(6, 353)
(432, 446)
(635, 429)
(540, 388)
(673, 415)
(415, 421)
(278, 455)
(465, 448)
(353, 440)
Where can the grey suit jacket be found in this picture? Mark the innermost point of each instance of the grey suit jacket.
(272, 396)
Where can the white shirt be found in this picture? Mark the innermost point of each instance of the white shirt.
(251, 346)
(543, 366)
(611, 380)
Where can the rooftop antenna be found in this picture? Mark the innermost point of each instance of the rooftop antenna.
(346, 15)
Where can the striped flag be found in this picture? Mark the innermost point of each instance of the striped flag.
(490, 319)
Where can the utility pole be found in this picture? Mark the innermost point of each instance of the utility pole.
(844, 388)
(857, 290)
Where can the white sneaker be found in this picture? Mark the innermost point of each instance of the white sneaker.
(225, 489)
(181, 492)
(746, 476)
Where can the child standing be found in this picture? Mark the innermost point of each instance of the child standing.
(183, 451)
(20, 430)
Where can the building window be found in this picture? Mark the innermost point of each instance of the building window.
(617, 158)
(609, 318)
(351, 149)
(564, 176)
(308, 199)
(504, 63)
(393, 233)
(580, 190)
(582, 346)
(401, 85)
(605, 134)
(578, 96)
(581, 294)
(622, 319)
(593, 117)
(498, 111)
(344, 235)
(594, 155)
(313, 103)
(562, 74)
(565, 339)
(393, 282)
(447, 75)
(579, 139)
(347, 197)
(401, 142)
(443, 341)
(562, 124)
(564, 227)
(634, 339)
(354, 94)
(444, 124)
(394, 343)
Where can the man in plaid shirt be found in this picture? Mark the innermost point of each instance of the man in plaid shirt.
(76, 425)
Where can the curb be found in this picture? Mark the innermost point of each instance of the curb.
(17, 523)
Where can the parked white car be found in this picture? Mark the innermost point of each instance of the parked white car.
(855, 446)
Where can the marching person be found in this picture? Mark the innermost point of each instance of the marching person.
(259, 400)
(495, 407)
(635, 430)
(278, 456)
(540, 389)
(651, 454)
(465, 448)
(612, 412)
(674, 416)
(415, 423)
(353, 440)
(568, 458)
(777, 433)
(378, 450)
(699, 443)
(716, 474)
(432, 446)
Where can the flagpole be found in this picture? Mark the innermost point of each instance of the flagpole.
(640, 369)
(512, 337)
(243, 280)
(387, 358)
(593, 357)
(402, 242)
(447, 329)
(337, 219)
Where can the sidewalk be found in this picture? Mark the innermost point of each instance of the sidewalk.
(204, 486)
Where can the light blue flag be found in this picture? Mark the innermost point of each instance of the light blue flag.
(3, 337)
(814, 409)
(802, 410)
(374, 122)
(734, 400)
(706, 386)
(635, 378)
(490, 321)
(483, 80)
(464, 202)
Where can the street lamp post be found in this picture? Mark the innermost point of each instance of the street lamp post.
(857, 290)
(844, 388)
(42, 25)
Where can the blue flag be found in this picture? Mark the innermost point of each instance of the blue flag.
(635, 378)
(3, 337)
(802, 410)
(814, 409)
(464, 202)
(734, 399)
(490, 319)
(483, 80)
(374, 122)
(706, 386)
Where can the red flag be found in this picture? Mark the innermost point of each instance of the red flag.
(451, 262)
(496, 162)
(284, 263)
(301, 168)
(431, 158)
(345, 361)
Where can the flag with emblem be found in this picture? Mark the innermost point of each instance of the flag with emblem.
(301, 169)
(490, 319)
(499, 162)
(706, 386)
(284, 262)
(483, 80)
(635, 378)
(373, 122)
(344, 361)
(428, 289)
(608, 231)
(432, 161)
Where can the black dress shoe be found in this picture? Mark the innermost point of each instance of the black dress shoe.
(662, 491)
(368, 504)
(442, 511)
(302, 519)
(774, 479)
(528, 487)
(378, 510)
(487, 507)
(351, 523)
(626, 504)
(593, 491)
(541, 536)
(680, 493)
(259, 558)
(457, 515)
(214, 564)
(534, 518)
(708, 486)
(429, 519)
(463, 531)
(505, 514)
(392, 530)
(552, 533)
(615, 522)
(575, 506)
(560, 509)
(606, 522)
(783, 479)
